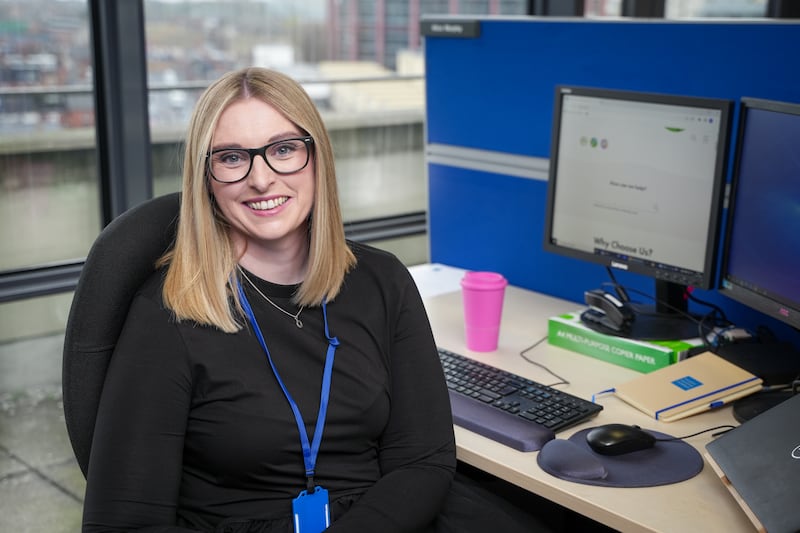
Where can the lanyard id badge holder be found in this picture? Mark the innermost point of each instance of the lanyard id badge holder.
(310, 509)
(310, 512)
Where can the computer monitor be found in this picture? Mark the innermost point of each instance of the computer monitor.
(637, 183)
(761, 250)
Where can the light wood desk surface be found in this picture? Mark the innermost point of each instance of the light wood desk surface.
(699, 504)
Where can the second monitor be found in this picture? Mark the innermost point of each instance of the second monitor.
(636, 183)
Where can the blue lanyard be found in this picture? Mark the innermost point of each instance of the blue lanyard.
(309, 452)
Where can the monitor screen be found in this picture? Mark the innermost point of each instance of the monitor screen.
(637, 183)
(761, 252)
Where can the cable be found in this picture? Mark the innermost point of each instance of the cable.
(561, 381)
(618, 288)
(793, 387)
(726, 427)
(715, 307)
(709, 332)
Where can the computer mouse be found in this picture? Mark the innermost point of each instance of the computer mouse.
(617, 439)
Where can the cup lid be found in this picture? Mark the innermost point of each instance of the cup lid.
(478, 280)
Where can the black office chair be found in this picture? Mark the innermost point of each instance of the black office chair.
(120, 260)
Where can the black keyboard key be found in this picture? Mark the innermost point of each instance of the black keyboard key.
(491, 394)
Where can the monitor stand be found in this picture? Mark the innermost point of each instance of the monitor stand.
(651, 324)
(777, 363)
(647, 325)
(751, 406)
(667, 319)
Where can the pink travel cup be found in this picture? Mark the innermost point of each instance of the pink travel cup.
(483, 294)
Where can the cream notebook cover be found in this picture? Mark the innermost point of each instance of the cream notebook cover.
(691, 386)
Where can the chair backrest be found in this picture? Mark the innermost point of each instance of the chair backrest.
(120, 260)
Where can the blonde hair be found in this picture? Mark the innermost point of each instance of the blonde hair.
(200, 283)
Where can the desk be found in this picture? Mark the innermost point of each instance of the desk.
(699, 504)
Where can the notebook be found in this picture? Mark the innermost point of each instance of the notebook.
(700, 383)
(759, 462)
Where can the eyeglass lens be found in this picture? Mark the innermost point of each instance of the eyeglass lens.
(284, 157)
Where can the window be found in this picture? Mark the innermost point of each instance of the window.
(48, 168)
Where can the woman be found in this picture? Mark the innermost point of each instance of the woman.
(270, 375)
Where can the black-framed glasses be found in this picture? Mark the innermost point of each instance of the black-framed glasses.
(287, 156)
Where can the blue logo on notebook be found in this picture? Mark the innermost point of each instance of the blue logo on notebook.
(686, 383)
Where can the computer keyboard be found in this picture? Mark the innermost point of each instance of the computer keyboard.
(508, 408)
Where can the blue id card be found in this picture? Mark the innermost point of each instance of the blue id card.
(310, 511)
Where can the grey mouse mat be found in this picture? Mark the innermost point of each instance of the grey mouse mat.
(665, 463)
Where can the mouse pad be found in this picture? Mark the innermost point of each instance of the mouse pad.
(665, 463)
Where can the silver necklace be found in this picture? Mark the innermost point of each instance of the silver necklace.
(297, 321)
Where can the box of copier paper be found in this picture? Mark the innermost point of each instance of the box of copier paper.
(567, 331)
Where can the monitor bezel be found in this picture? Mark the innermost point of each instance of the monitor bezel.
(775, 306)
(707, 278)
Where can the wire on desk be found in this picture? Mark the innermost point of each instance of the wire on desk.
(561, 381)
(724, 429)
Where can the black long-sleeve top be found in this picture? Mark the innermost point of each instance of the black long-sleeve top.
(194, 433)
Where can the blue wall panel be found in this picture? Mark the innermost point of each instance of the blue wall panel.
(493, 222)
(496, 92)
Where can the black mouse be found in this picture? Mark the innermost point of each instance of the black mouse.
(616, 439)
